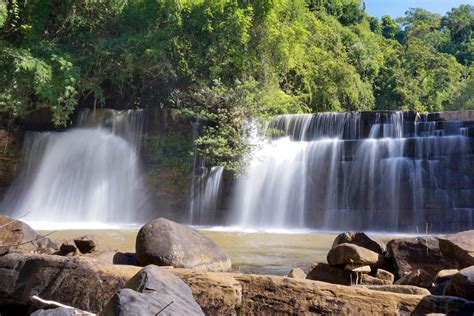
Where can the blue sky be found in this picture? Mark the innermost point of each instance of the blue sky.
(397, 8)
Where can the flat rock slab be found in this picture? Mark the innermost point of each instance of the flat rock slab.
(459, 246)
(271, 295)
(166, 243)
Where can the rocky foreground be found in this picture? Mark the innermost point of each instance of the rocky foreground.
(185, 273)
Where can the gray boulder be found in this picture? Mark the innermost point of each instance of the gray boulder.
(360, 239)
(352, 254)
(166, 243)
(47, 245)
(153, 290)
(409, 254)
(462, 284)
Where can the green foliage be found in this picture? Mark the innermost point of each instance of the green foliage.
(220, 61)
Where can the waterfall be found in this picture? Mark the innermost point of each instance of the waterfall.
(89, 174)
(376, 171)
(206, 187)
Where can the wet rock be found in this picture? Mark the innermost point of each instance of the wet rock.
(445, 275)
(360, 239)
(462, 284)
(153, 290)
(459, 246)
(16, 236)
(357, 268)
(297, 273)
(91, 244)
(81, 282)
(403, 289)
(418, 277)
(409, 254)
(352, 254)
(384, 275)
(326, 273)
(166, 243)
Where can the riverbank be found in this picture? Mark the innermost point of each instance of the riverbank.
(250, 252)
(181, 270)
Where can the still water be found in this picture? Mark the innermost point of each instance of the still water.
(250, 252)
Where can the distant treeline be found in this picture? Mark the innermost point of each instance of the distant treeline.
(225, 59)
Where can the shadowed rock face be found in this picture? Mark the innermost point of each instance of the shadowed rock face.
(460, 246)
(409, 254)
(81, 282)
(166, 243)
(462, 284)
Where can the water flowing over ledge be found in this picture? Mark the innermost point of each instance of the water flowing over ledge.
(387, 171)
(376, 171)
(89, 174)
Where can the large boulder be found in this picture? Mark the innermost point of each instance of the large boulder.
(151, 291)
(418, 277)
(459, 246)
(462, 284)
(360, 239)
(352, 254)
(16, 236)
(409, 254)
(81, 282)
(166, 243)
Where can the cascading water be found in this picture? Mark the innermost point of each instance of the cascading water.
(84, 175)
(206, 187)
(324, 173)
